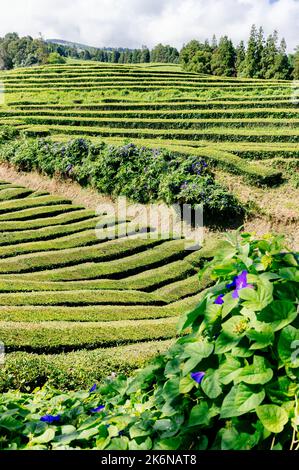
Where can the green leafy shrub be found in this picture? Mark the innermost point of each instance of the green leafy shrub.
(142, 174)
(230, 382)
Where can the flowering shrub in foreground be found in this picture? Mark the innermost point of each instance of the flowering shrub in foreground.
(230, 382)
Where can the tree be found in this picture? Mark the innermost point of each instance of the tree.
(269, 55)
(214, 43)
(115, 56)
(55, 58)
(281, 69)
(188, 51)
(250, 66)
(240, 58)
(223, 58)
(260, 45)
(201, 62)
(166, 54)
(145, 55)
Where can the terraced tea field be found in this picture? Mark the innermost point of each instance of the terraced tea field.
(65, 287)
(74, 307)
(231, 121)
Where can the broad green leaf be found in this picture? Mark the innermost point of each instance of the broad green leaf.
(233, 440)
(225, 343)
(172, 443)
(229, 369)
(229, 304)
(188, 319)
(171, 389)
(195, 352)
(163, 424)
(272, 417)
(145, 445)
(47, 436)
(67, 438)
(257, 299)
(119, 443)
(291, 274)
(10, 423)
(240, 400)
(256, 373)
(211, 384)
(186, 384)
(261, 338)
(137, 430)
(278, 314)
(199, 415)
(288, 346)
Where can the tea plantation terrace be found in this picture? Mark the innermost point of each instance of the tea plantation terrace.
(230, 120)
(64, 291)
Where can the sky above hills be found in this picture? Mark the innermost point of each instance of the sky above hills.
(131, 23)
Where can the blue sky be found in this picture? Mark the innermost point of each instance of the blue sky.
(131, 23)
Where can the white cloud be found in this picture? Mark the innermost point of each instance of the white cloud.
(131, 23)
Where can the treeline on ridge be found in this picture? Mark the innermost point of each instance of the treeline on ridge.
(261, 57)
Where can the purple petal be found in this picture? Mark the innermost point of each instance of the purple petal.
(235, 294)
(232, 284)
(241, 280)
(50, 418)
(197, 376)
(219, 300)
(98, 409)
(93, 388)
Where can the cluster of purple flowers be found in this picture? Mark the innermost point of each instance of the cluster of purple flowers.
(198, 167)
(238, 283)
(50, 419)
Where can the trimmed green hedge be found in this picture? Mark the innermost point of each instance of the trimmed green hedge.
(51, 337)
(26, 371)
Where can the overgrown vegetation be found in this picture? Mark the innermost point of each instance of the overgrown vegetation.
(143, 175)
(230, 384)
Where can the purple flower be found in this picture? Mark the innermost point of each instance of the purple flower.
(232, 284)
(239, 282)
(219, 300)
(93, 388)
(197, 376)
(50, 418)
(98, 409)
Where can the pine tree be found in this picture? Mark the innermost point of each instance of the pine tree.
(214, 43)
(251, 68)
(223, 58)
(145, 55)
(282, 67)
(269, 55)
(240, 58)
(260, 46)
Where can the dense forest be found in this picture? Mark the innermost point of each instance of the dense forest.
(261, 57)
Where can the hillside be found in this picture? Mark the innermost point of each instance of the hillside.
(247, 129)
(63, 288)
(67, 298)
